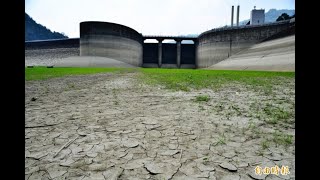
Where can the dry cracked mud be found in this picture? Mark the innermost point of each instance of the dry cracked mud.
(113, 126)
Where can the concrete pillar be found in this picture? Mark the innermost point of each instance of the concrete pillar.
(238, 12)
(178, 52)
(159, 52)
(232, 16)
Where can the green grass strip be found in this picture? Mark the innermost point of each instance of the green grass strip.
(186, 79)
(42, 73)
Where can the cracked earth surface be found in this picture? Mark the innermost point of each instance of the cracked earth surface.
(112, 126)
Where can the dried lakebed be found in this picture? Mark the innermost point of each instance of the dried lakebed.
(113, 126)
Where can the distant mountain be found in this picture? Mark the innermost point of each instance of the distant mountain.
(191, 35)
(35, 31)
(272, 15)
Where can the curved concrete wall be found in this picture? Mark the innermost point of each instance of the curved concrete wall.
(218, 44)
(111, 40)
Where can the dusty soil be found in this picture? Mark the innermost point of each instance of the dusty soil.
(113, 126)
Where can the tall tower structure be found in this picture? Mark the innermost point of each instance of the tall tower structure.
(232, 16)
(238, 12)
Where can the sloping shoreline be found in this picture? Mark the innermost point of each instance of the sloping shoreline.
(274, 55)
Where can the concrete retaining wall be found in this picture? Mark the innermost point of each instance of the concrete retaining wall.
(218, 44)
(111, 40)
(122, 43)
(52, 44)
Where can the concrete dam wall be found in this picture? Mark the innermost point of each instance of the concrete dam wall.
(273, 55)
(124, 44)
(112, 41)
(219, 44)
(50, 52)
(52, 44)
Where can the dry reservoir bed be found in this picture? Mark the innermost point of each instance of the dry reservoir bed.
(114, 126)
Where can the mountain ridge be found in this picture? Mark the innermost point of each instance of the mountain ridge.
(36, 31)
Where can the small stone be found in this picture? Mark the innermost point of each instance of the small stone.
(228, 166)
(130, 143)
(34, 99)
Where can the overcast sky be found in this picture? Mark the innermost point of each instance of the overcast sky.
(149, 17)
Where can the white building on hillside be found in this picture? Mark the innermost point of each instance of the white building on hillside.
(257, 16)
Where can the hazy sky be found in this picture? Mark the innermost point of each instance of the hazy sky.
(149, 17)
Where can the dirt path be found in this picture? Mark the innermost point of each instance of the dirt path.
(111, 126)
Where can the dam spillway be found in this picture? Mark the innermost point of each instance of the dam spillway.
(122, 43)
